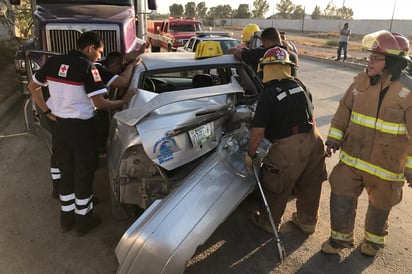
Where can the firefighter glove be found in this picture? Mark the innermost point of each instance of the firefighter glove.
(249, 161)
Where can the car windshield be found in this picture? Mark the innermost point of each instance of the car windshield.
(185, 28)
(226, 44)
(184, 78)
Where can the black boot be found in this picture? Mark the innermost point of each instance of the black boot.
(84, 224)
(67, 220)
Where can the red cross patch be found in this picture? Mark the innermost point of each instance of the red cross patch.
(96, 75)
(63, 70)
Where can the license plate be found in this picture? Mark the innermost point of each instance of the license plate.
(201, 134)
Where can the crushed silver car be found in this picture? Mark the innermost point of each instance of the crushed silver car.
(178, 151)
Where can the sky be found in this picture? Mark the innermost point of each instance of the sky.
(363, 9)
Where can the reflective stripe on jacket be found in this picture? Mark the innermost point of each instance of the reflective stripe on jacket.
(375, 142)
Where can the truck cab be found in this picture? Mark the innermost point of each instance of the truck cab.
(172, 33)
(58, 24)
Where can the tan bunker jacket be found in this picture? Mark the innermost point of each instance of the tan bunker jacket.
(373, 132)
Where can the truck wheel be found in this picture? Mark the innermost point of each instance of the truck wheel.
(155, 49)
(169, 48)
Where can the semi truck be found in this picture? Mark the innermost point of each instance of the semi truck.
(58, 24)
(169, 34)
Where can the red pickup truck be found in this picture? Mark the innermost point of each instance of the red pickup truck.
(171, 33)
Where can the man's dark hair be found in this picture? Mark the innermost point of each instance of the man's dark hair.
(270, 34)
(113, 57)
(89, 38)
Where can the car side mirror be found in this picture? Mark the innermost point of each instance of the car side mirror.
(152, 4)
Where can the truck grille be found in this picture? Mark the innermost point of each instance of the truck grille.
(62, 39)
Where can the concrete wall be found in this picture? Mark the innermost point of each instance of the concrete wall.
(325, 25)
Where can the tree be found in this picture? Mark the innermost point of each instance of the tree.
(242, 11)
(201, 10)
(345, 13)
(331, 11)
(298, 13)
(285, 8)
(316, 14)
(190, 9)
(220, 11)
(261, 7)
(176, 10)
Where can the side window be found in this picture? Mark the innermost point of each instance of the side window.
(195, 45)
(190, 45)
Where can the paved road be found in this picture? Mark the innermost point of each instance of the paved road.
(31, 241)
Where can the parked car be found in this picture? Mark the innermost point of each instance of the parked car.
(224, 38)
(178, 151)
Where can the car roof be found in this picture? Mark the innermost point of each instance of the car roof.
(164, 60)
(214, 38)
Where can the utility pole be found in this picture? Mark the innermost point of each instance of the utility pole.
(393, 13)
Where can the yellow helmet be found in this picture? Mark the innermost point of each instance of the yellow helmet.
(207, 49)
(248, 32)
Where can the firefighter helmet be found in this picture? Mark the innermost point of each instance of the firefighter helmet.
(208, 49)
(248, 31)
(387, 43)
(276, 55)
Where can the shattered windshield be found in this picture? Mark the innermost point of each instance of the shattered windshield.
(86, 2)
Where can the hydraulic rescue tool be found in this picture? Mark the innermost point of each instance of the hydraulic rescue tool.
(281, 247)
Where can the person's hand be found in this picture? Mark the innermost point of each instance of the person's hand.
(129, 94)
(136, 61)
(51, 116)
(409, 182)
(329, 150)
(249, 162)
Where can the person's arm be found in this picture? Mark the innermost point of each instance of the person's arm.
(37, 97)
(132, 55)
(237, 53)
(123, 80)
(102, 103)
(256, 136)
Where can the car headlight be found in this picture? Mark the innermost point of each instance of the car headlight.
(21, 65)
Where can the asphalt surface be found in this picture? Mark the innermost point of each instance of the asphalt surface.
(31, 241)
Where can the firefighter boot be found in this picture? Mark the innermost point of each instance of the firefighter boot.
(306, 228)
(342, 213)
(376, 227)
(332, 246)
(370, 249)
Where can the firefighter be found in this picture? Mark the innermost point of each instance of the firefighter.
(247, 33)
(296, 159)
(270, 38)
(75, 87)
(372, 128)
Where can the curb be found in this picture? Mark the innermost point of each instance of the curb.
(332, 62)
(10, 102)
